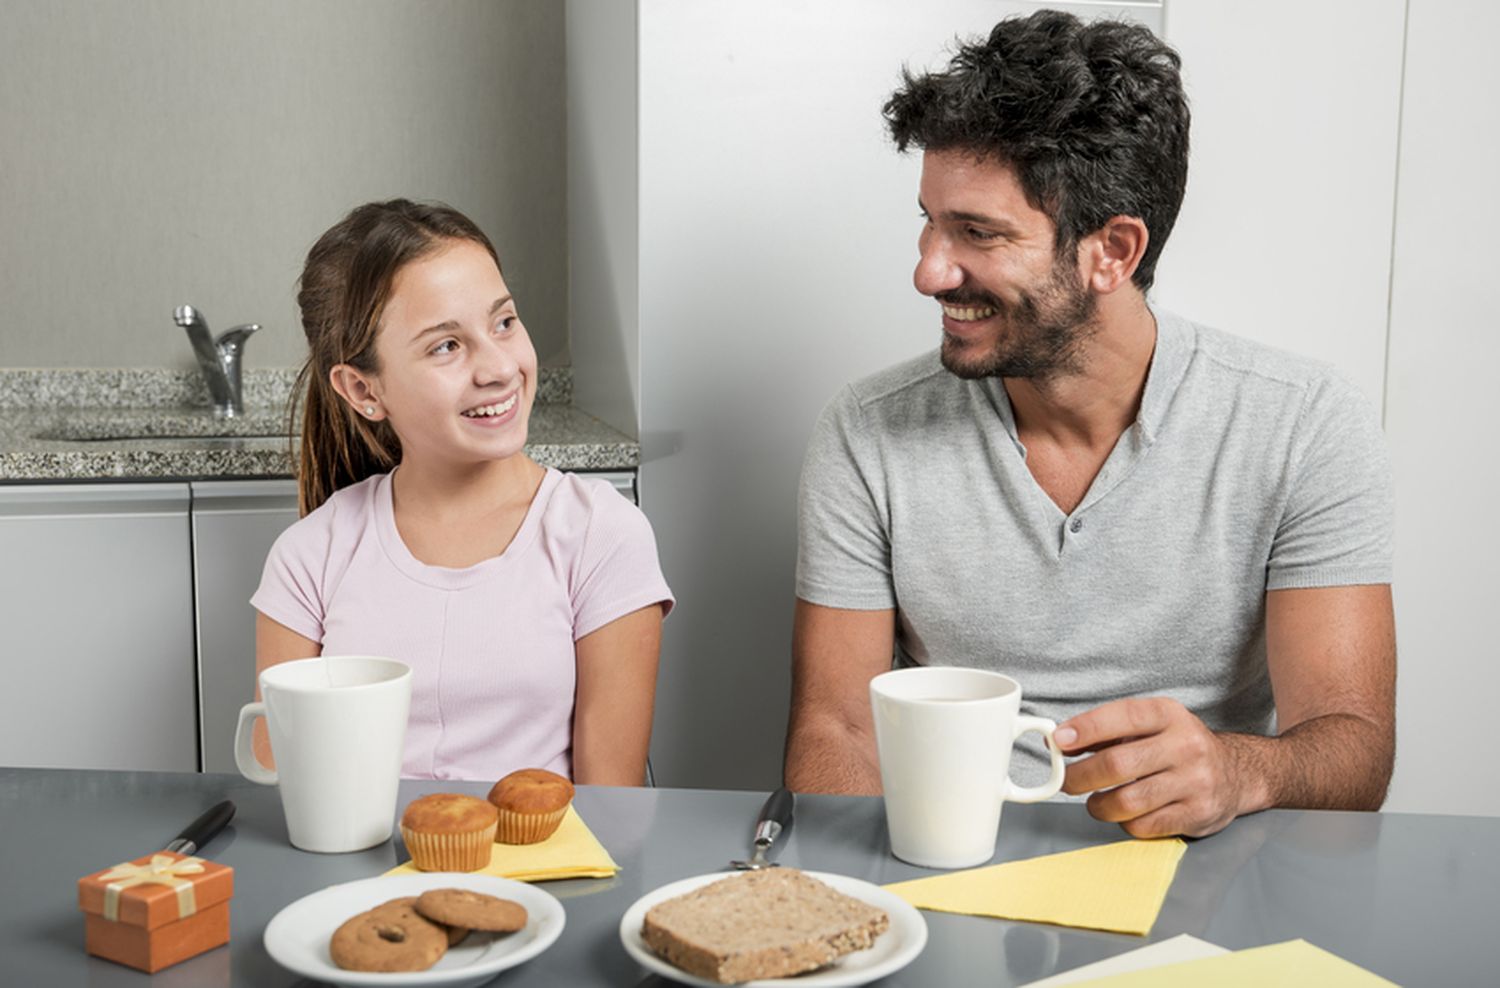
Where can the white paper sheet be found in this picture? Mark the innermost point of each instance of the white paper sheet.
(1179, 948)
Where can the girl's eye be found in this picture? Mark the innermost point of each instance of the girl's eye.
(447, 346)
(507, 323)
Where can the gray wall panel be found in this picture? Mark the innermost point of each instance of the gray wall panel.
(155, 153)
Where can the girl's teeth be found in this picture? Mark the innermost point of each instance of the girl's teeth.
(488, 410)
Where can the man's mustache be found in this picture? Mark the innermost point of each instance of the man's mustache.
(970, 297)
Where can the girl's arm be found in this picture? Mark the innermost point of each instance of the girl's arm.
(274, 643)
(616, 694)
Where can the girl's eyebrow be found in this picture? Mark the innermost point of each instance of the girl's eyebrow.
(451, 325)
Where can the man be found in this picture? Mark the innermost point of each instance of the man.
(1177, 540)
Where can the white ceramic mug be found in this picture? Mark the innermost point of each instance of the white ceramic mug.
(945, 735)
(337, 726)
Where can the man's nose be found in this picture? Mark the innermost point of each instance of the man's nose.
(937, 271)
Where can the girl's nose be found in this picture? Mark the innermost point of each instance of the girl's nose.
(496, 364)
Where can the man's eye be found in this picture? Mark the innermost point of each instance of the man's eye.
(983, 236)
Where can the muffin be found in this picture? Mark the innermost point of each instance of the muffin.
(446, 831)
(532, 803)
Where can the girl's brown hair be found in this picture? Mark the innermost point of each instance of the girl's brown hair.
(345, 285)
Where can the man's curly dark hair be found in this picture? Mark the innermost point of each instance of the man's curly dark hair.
(1091, 116)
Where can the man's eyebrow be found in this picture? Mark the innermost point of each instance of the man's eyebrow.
(450, 325)
(963, 216)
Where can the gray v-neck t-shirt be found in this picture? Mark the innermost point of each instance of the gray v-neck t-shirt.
(1248, 469)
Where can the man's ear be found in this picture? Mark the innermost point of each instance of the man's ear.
(1110, 255)
(358, 390)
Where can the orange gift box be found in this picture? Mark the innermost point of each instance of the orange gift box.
(157, 910)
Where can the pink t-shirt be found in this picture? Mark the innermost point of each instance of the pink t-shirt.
(490, 646)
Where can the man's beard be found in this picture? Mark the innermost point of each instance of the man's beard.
(1043, 332)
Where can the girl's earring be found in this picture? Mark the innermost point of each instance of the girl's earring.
(369, 409)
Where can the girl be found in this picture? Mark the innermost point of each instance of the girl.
(528, 602)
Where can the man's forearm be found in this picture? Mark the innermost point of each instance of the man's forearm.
(830, 759)
(1334, 762)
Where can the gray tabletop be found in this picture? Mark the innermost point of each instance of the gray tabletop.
(1410, 897)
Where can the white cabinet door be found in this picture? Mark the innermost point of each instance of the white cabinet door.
(96, 627)
(234, 525)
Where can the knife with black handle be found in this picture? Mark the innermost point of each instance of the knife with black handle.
(775, 819)
(203, 829)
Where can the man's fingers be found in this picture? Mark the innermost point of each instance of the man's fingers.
(1114, 766)
(1115, 721)
(1099, 747)
(1168, 821)
(1133, 800)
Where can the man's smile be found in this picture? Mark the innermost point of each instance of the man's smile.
(968, 313)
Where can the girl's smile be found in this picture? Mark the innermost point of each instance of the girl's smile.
(457, 371)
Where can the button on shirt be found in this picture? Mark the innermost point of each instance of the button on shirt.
(1248, 469)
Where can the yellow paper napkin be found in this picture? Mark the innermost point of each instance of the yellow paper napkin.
(572, 852)
(1118, 887)
(1294, 964)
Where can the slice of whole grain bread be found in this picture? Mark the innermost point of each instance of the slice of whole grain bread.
(760, 924)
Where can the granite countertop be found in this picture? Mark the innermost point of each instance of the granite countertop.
(156, 424)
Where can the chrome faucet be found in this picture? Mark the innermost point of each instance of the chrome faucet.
(218, 359)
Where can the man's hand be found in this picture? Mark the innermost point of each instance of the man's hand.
(1156, 769)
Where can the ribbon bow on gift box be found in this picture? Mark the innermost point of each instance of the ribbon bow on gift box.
(163, 870)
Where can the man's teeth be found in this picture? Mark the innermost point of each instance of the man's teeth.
(486, 410)
(968, 313)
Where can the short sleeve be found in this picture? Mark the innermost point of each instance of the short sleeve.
(291, 584)
(843, 534)
(1336, 528)
(618, 571)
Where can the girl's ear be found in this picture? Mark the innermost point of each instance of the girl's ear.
(358, 390)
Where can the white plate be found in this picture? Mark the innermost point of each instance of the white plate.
(297, 937)
(893, 950)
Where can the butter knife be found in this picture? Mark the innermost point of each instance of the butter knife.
(203, 829)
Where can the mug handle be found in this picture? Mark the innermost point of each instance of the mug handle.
(1048, 789)
(244, 755)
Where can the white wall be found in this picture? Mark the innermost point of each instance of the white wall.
(778, 233)
(1441, 406)
(1339, 205)
(1285, 233)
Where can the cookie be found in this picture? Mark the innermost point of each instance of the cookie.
(390, 937)
(456, 934)
(471, 910)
